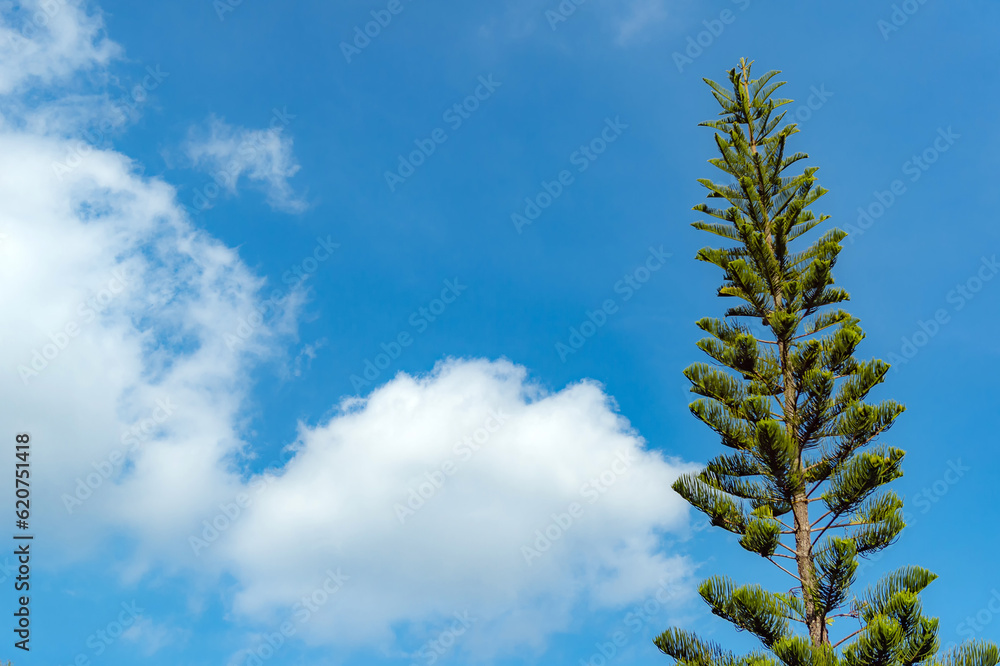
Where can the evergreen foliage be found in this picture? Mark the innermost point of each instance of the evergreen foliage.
(803, 480)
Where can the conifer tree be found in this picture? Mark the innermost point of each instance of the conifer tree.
(803, 483)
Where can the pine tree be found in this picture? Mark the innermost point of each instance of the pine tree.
(803, 483)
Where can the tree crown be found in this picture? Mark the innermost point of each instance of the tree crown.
(793, 411)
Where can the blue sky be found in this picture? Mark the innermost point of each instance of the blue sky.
(172, 170)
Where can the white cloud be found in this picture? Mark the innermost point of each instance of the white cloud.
(342, 502)
(152, 637)
(303, 360)
(264, 156)
(42, 42)
(115, 301)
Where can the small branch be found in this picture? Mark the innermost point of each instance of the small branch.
(816, 522)
(785, 570)
(790, 550)
(823, 328)
(840, 459)
(823, 531)
(848, 638)
(867, 522)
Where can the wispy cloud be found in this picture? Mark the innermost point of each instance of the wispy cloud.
(303, 361)
(262, 156)
(46, 42)
(640, 17)
(626, 23)
(151, 637)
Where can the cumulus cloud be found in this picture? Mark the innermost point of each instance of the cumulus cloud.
(116, 303)
(115, 306)
(263, 156)
(469, 489)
